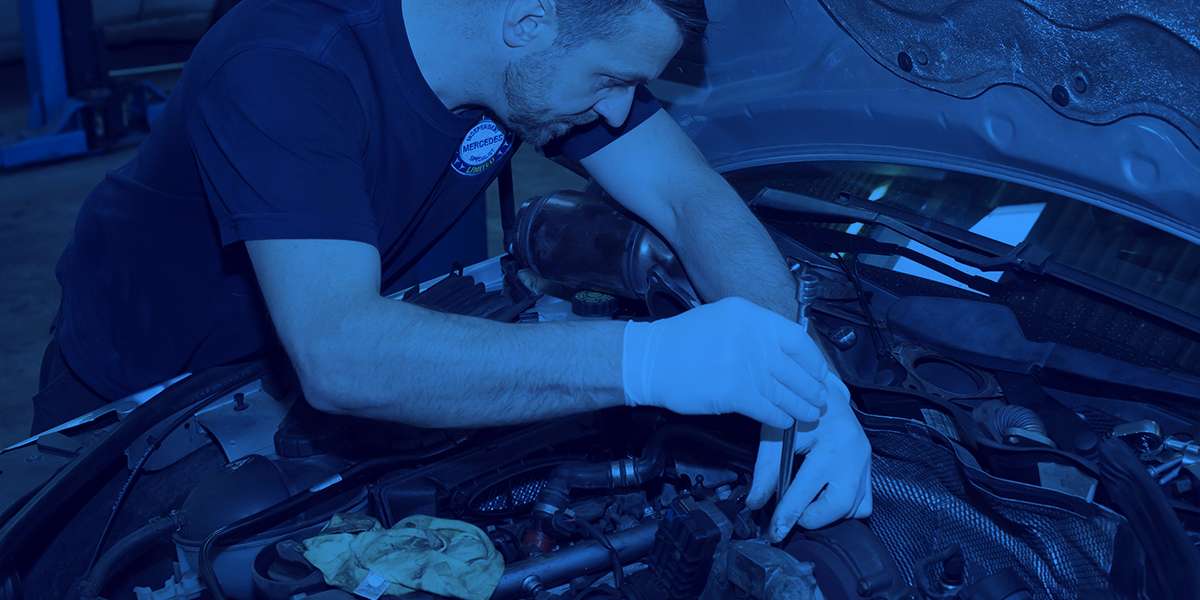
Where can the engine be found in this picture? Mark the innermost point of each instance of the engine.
(988, 483)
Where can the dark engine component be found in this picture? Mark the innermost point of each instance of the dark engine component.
(240, 489)
(752, 569)
(462, 295)
(585, 558)
(849, 562)
(584, 242)
(1012, 424)
(244, 488)
(682, 555)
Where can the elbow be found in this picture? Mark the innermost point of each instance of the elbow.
(322, 393)
(321, 381)
(325, 402)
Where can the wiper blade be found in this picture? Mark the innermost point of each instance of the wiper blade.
(966, 247)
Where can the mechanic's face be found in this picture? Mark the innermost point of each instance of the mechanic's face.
(551, 91)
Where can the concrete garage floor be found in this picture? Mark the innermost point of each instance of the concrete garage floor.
(38, 206)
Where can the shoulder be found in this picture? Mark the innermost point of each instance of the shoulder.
(286, 31)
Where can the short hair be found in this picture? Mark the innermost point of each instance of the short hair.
(584, 20)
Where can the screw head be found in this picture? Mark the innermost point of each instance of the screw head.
(844, 337)
(1060, 96)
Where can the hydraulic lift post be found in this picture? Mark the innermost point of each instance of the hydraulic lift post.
(75, 107)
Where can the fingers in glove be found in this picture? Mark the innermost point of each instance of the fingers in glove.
(801, 493)
(798, 380)
(765, 411)
(837, 501)
(796, 343)
(835, 387)
(793, 404)
(766, 467)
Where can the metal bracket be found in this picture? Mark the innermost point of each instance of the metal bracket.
(245, 421)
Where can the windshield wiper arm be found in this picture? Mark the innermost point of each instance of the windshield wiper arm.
(967, 247)
(980, 252)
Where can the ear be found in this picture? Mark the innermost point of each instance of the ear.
(530, 22)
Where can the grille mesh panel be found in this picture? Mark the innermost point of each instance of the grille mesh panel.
(501, 500)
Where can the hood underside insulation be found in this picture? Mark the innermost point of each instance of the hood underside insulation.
(1092, 60)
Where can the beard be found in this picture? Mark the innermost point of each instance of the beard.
(526, 84)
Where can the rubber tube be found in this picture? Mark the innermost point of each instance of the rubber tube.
(122, 552)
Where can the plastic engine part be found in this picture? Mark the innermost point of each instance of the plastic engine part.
(594, 304)
(683, 550)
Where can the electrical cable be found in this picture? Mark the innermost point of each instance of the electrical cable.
(617, 571)
(154, 442)
(204, 563)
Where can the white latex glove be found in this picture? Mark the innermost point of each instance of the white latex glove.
(834, 481)
(731, 356)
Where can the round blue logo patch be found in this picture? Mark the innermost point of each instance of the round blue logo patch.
(482, 147)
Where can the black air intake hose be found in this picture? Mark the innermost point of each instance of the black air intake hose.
(615, 474)
(629, 472)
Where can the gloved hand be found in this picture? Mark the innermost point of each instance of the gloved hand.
(834, 481)
(730, 356)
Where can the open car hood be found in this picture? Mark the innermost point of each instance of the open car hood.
(1096, 100)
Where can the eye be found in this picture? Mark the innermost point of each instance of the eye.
(613, 82)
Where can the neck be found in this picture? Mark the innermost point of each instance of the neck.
(447, 44)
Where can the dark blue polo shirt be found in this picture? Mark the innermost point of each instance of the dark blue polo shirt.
(294, 119)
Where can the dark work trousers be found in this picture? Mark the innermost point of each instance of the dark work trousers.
(61, 396)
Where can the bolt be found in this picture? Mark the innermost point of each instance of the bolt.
(921, 57)
(1060, 96)
(864, 588)
(1164, 468)
(905, 61)
(532, 585)
(844, 337)
(1183, 486)
(1079, 83)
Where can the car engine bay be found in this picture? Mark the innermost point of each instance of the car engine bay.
(1003, 468)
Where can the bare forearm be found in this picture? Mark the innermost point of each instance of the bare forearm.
(727, 252)
(403, 363)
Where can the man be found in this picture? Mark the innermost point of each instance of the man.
(314, 149)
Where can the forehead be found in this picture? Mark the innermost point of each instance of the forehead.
(647, 42)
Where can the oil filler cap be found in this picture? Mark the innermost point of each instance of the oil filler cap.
(593, 304)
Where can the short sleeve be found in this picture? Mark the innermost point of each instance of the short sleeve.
(279, 141)
(583, 141)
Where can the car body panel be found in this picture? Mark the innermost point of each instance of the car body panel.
(784, 82)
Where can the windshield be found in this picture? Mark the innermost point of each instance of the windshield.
(1093, 240)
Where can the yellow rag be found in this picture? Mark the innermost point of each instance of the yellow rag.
(439, 556)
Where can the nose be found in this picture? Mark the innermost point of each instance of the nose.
(615, 108)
